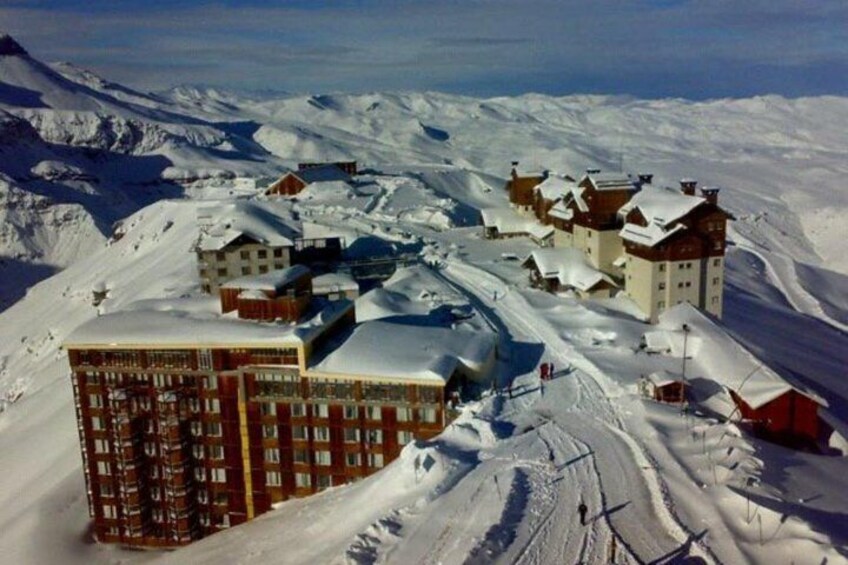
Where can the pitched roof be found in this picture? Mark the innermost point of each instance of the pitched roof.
(569, 266)
(323, 173)
(660, 207)
(610, 181)
(715, 355)
(507, 220)
(554, 187)
(262, 222)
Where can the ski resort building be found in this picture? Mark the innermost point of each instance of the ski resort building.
(191, 421)
(285, 294)
(728, 380)
(520, 188)
(294, 182)
(506, 223)
(674, 245)
(563, 270)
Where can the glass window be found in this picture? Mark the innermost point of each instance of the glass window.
(373, 413)
(213, 429)
(662, 286)
(374, 437)
(245, 270)
(245, 255)
(404, 414)
(262, 253)
(272, 455)
(300, 456)
(269, 432)
(428, 415)
(273, 479)
(321, 410)
(351, 435)
(298, 410)
(323, 481)
(321, 433)
(322, 458)
(302, 480)
(404, 437)
(216, 451)
(268, 408)
(352, 459)
(375, 460)
(298, 432)
(218, 475)
(351, 412)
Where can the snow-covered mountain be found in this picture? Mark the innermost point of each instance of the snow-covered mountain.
(79, 153)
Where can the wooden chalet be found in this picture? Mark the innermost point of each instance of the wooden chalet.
(520, 188)
(293, 182)
(664, 386)
(283, 295)
(562, 270)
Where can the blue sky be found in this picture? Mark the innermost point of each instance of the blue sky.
(648, 48)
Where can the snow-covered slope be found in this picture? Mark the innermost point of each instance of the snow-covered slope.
(78, 153)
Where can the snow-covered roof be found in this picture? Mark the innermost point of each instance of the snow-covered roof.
(610, 181)
(253, 295)
(274, 281)
(170, 328)
(323, 173)
(662, 378)
(569, 266)
(554, 187)
(333, 282)
(718, 357)
(385, 350)
(262, 222)
(507, 220)
(661, 206)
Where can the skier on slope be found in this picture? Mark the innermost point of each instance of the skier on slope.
(582, 509)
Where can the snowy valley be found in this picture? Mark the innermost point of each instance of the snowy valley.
(101, 188)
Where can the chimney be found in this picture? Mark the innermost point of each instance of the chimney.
(687, 186)
(710, 193)
(645, 178)
(545, 174)
(514, 169)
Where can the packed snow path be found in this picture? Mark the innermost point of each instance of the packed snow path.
(623, 491)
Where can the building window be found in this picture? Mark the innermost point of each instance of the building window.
(196, 428)
(245, 270)
(197, 451)
(218, 475)
(351, 412)
(716, 281)
(103, 468)
(222, 272)
(213, 405)
(375, 460)
(688, 265)
(715, 300)
(352, 459)
(374, 437)
(662, 267)
(269, 432)
(661, 305)
(273, 479)
(278, 253)
(322, 458)
(95, 401)
(221, 256)
(245, 255)
(373, 413)
(404, 437)
(321, 411)
(717, 245)
(272, 455)
(662, 286)
(298, 432)
(321, 433)
(302, 480)
(268, 408)
(110, 511)
(97, 423)
(404, 414)
(106, 490)
(262, 253)
(428, 415)
(298, 410)
(300, 456)
(351, 435)
(216, 451)
(680, 284)
(213, 429)
(263, 269)
(716, 262)
(680, 266)
(323, 481)
(688, 284)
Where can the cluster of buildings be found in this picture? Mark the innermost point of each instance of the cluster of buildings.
(659, 246)
(196, 415)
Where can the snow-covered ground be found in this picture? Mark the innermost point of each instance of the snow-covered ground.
(503, 482)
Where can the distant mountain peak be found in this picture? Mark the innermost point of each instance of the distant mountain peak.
(10, 47)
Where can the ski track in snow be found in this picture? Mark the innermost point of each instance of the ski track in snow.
(630, 498)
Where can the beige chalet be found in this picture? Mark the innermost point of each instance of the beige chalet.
(586, 218)
(674, 243)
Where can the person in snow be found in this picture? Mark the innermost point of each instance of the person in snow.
(551, 371)
(543, 371)
(582, 509)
